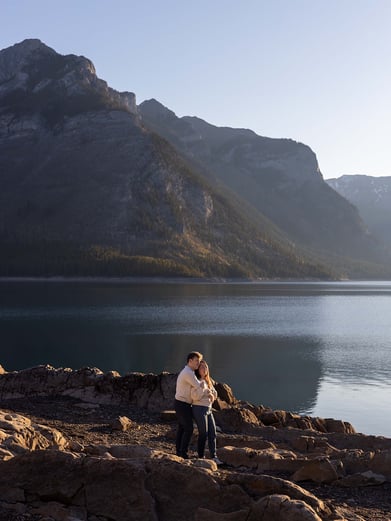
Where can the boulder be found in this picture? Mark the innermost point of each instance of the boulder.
(264, 485)
(139, 484)
(122, 423)
(120, 451)
(54, 510)
(19, 434)
(225, 393)
(361, 479)
(251, 442)
(319, 470)
(339, 426)
(279, 507)
(270, 417)
(261, 460)
(278, 418)
(381, 463)
(309, 444)
(237, 420)
(90, 384)
(356, 460)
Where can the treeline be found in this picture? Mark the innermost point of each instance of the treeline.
(56, 258)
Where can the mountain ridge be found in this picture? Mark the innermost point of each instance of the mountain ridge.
(372, 197)
(94, 184)
(90, 191)
(279, 178)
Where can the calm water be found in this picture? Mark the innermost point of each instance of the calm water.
(315, 348)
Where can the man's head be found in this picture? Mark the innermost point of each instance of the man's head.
(193, 360)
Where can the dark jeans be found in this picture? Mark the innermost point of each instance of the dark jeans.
(206, 429)
(185, 427)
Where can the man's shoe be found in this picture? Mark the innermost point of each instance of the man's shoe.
(184, 456)
(217, 461)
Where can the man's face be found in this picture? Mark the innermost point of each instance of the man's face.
(194, 363)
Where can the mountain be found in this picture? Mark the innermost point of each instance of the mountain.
(372, 197)
(278, 178)
(88, 189)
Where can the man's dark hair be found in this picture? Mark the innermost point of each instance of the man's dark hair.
(193, 354)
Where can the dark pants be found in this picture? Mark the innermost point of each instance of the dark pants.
(206, 429)
(185, 428)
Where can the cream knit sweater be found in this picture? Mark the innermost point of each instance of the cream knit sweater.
(188, 387)
(206, 399)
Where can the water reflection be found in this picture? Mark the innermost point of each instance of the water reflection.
(317, 348)
(277, 372)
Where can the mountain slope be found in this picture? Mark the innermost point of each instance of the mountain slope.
(279, 178)
(372, 197)
(88, 190)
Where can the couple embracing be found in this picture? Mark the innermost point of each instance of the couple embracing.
(193, 400)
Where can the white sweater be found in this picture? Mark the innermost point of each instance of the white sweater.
(188, 387)
(206, 400)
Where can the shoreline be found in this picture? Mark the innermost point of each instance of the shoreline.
(171, 280)
(190, 280)
(91, 384)
(64, 432)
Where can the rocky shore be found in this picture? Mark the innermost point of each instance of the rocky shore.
(91, 446)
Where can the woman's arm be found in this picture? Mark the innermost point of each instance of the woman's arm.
(198, 390)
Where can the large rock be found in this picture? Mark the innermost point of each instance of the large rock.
(278, 507)
(150, 391)
(271, 459)
(153, 392)
(278, 418)
(19, 434)
(381, 463)
(263, 485)
(311, 444)
(361, 479)
(237, 419)
(140, 485)
(319, 470)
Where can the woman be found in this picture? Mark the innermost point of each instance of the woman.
(202, 413)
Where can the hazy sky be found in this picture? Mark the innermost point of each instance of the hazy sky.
(316, 71)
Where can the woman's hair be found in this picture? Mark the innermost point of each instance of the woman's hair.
(207, 375)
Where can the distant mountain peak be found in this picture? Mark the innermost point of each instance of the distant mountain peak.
(55, 85)
(13, 59)
(155, 109)
(27, 46)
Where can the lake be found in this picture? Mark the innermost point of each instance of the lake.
(321, 349)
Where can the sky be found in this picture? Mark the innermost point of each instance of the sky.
(315, 71)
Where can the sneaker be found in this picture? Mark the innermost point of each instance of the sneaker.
(217, 461)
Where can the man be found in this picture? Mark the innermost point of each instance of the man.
(187, 385)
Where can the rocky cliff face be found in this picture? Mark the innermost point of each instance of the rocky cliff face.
(372, 198)
(279, 178)
(33, 77)
(88, 190)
